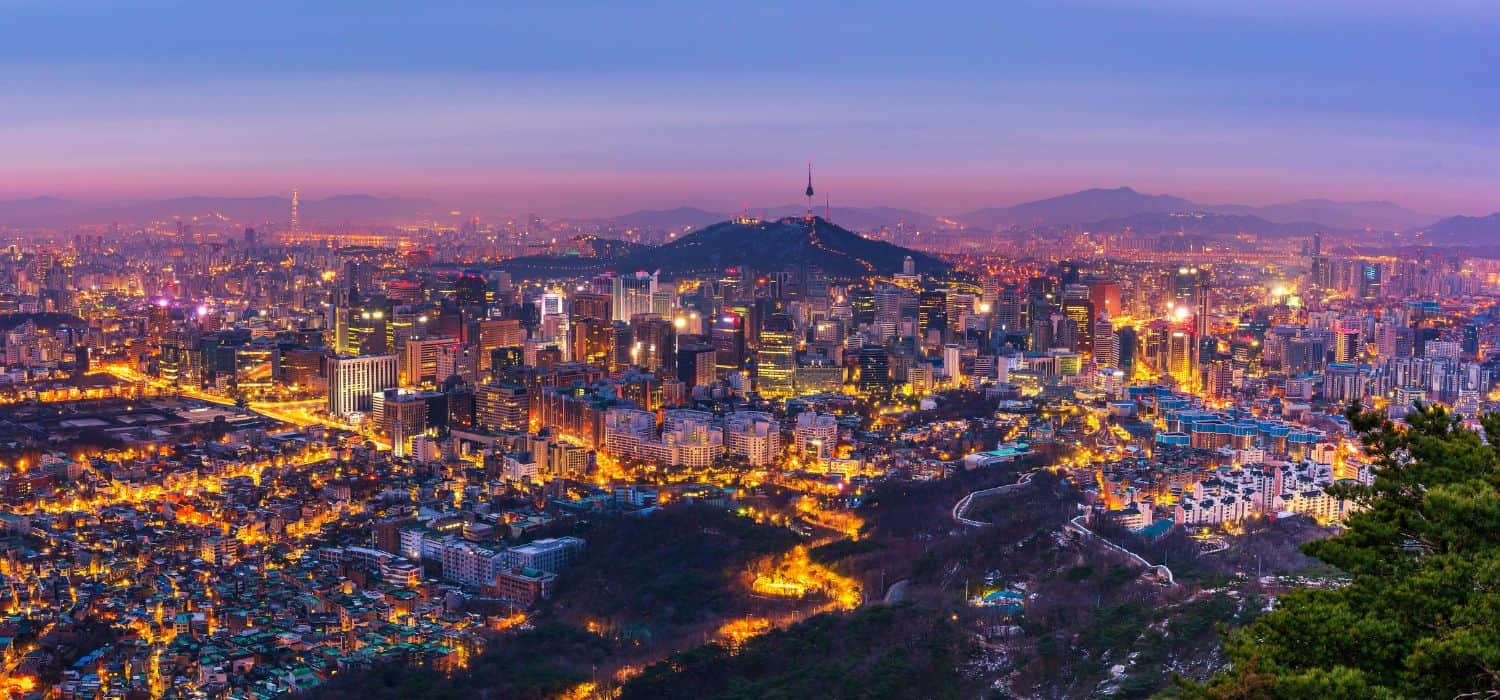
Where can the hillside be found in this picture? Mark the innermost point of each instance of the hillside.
(1463, 230)
(784, 244)
(901, 651)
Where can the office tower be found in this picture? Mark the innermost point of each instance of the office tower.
(1104, 343)
(593, 341)
(1007, 311)
(507, 358)
(469, 290)
(592, 305)
(458, 360)
(728, 338)
(498, 333)
(1347, 347)
(419, 361)
(1081, 313)
(862, 304)
(632, 295)
(932, 313)
(1127, 344)
(353, 380)
(1106, 296)
(654, 341)
(1042, 332)
(1181, 357)
(776, 360)
(1369, 280)
(400, 415)
(501, 407)
(874, 371)
(1218, 378)
(696, 364)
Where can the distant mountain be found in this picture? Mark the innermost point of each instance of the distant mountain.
(1462, 230)
(49, 211)
(1076, 208)
(679, 219)
(1385, 216)
(1110, 204)
(29, 212)
(784, 244)
(1205, 224)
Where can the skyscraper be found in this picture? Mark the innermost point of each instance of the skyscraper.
(874, 371)
(295, 225)
(776, 360)
(632, 295)
(353, 380)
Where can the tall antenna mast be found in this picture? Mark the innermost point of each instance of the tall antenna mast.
(809, 190)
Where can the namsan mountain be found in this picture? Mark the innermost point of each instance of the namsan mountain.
(790, 243)
(783, 244)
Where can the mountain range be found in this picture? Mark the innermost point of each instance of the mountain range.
(1098, 208)
(1099, 205)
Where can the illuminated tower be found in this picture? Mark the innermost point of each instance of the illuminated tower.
(809, 191)
(294, 226)
(776, 360)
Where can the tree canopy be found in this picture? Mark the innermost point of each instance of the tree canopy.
(1420, 617)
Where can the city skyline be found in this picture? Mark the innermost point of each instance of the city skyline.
(598, 111)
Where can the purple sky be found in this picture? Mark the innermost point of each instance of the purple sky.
(569, 108)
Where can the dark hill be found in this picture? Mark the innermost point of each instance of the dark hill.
(784, 244)
(1463, 230)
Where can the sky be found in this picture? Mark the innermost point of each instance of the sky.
(598, 108)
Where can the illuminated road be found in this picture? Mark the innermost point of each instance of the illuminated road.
(301, 413)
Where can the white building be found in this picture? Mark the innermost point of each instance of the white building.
(353, 381)
(754, 435)
(816, 435)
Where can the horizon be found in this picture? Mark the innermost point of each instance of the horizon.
(480, 209)
(600, 111)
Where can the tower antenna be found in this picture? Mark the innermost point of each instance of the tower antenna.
(809, 190)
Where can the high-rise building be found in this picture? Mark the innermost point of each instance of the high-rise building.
(874, 371)
(728, 338)
(1369, 280)
(776, 360)
(932, 313)
(632, 295)
(353, 380)
(1181, 357)
(1081, 313)
(1347, 347)
(654, 341)
(696, 364)
(419, 361)
(501, 407)
(1105, 344)
(1106, 297)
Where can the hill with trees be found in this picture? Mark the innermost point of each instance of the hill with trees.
(1420, 617)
